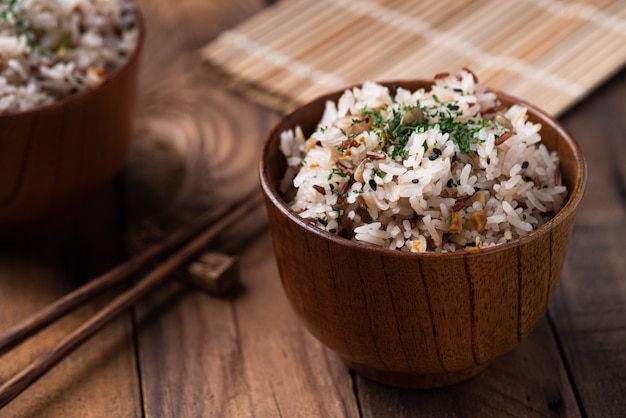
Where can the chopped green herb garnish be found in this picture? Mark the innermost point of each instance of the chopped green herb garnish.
(8, 9)
(394, 132)
(12, 14)
(375, 115)
(337, 172)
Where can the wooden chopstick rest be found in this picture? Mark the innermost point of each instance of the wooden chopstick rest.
(213, 272)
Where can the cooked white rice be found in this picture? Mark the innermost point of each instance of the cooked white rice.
(51, 49)
(439, 170)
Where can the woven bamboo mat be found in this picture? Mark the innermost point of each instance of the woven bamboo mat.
(549, 52)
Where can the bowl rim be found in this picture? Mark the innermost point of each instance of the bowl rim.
(113, 75)
(573, 200)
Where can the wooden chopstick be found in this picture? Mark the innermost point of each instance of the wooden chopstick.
(221, 219)
(19, 332)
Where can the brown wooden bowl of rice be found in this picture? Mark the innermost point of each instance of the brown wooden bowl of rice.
(423, 286)
(68, 83)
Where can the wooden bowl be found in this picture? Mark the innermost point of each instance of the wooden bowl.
(54, 157)
(418, 320)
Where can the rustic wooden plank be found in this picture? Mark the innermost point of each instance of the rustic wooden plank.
(98, 379)
(196, 147)
(598, 125)
(195, 144)
(529, 381)
(244, 357)
(589, 305)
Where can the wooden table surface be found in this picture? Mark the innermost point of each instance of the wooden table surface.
(183, 353)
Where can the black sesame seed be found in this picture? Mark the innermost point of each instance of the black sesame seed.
(332, 231)
(437, 151)
(433, 157)
(458, 90)
(415, 181)
(454, 107)
(525, 164)
(373, 184)
(476, 189)
(318, 143)
(450, 183)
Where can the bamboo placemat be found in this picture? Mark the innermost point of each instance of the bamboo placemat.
(549, 52)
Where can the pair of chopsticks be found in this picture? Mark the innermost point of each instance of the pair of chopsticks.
(187, 243)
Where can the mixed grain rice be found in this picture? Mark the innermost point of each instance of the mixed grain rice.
(51, 49)
(439, 170)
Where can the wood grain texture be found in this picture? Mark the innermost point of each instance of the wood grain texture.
(166, 270)
(194, 143)
(530, 381)
(243, 358)
(123, 272)
(196, 146)
(590, 303)
(100, 378)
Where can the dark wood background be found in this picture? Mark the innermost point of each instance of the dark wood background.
(183, 353)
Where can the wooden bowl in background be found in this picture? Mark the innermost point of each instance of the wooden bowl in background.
(418, 320)
(54, 157)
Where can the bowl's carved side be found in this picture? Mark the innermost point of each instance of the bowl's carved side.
(53, 157)
(418, 320)
(435, 315)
